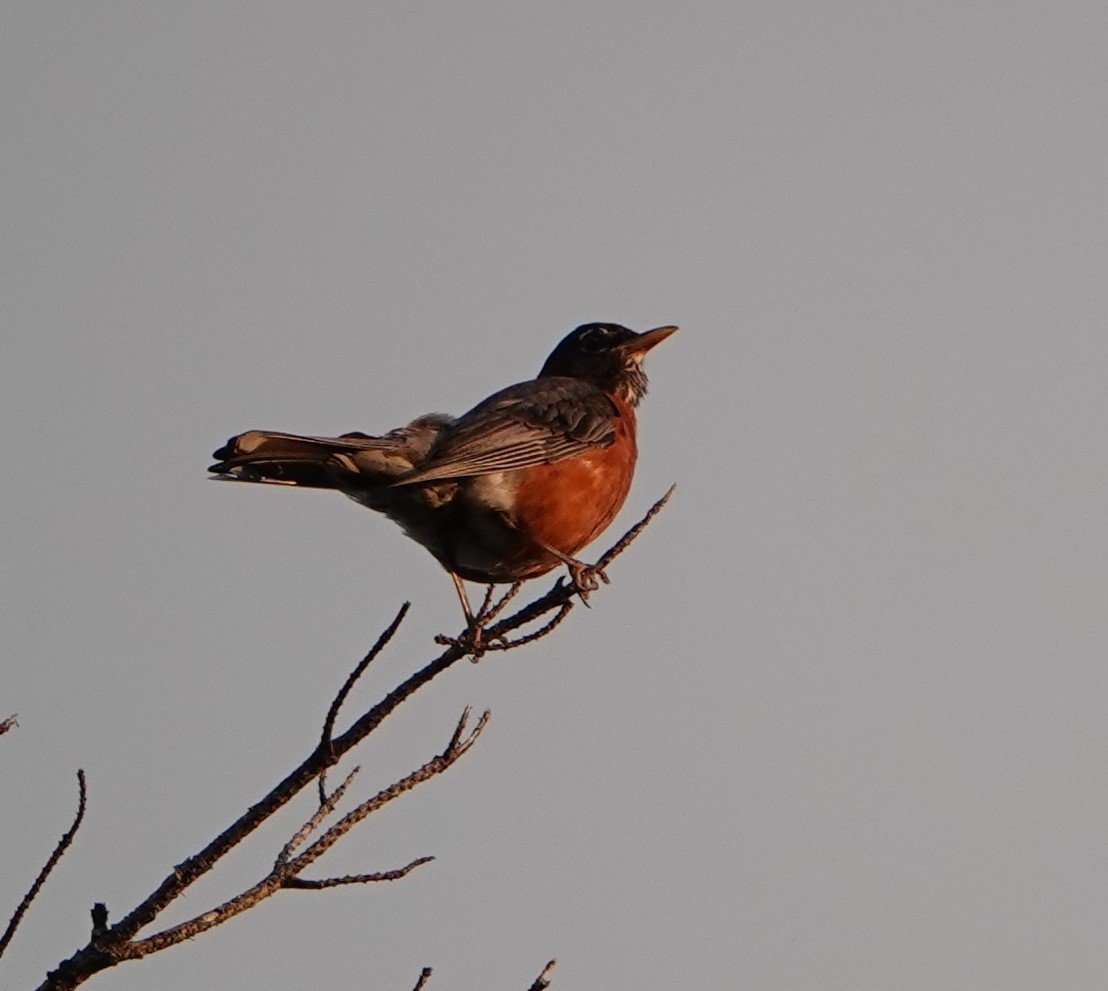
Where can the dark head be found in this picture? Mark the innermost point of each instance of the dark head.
(608, 355)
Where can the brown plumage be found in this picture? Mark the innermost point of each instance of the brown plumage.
(507, 491)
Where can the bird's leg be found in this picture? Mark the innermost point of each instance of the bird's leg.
(473, 639)
(473, 623)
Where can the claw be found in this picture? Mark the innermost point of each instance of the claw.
(472, 641)
(584, 578)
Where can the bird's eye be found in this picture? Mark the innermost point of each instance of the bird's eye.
(596, 339)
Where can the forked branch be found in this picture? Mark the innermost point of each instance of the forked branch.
(286, 870)
(113, 944)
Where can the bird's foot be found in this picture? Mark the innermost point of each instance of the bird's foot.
(471, 641)
(584, 577)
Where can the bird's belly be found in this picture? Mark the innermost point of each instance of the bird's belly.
(568, 504)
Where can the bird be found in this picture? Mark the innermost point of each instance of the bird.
(506, 492)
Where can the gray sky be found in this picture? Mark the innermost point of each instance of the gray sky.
(839, 721)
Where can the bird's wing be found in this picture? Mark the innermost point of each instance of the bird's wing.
(532, 423)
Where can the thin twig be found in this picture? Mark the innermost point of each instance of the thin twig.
(507, 597)
(99, 915)
(59, 851)
(351, 681)
(506, 644)
(489, 589)
(308, 884)
(424, 977)
(326, 807)
(629, 537)
(10, 723)
(542, 982)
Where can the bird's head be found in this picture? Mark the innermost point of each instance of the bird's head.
(608, 355)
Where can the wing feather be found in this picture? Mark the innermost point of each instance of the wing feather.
(524, 425)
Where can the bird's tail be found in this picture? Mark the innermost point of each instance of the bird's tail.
(353, 459)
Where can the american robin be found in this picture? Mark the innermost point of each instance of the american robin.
(505, 492)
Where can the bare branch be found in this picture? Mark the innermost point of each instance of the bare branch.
(424, 977)
(351, 681)
(187, 872)
(457, 746)
(284, 871)
(6, 724)
(114, 944)
(59, 851)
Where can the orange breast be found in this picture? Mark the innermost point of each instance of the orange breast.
(567, 504)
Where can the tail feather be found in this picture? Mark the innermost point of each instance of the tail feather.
(351, 460)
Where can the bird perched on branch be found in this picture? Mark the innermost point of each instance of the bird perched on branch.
(505, 492)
